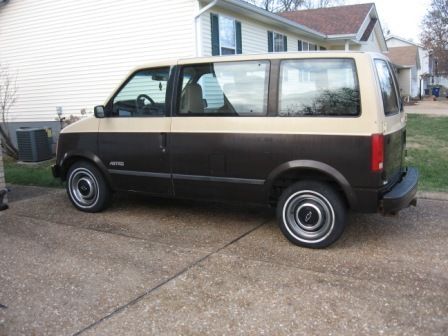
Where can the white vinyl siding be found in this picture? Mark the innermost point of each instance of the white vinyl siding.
(404, 82)
(74, 53)
(254, 33)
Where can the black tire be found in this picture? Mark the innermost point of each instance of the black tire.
(311, 214)
(86, 187)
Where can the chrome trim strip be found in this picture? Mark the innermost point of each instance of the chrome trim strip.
(188, 177)
(139, 173)
(218, 179)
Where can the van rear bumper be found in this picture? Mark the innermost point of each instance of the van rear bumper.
(402, 195)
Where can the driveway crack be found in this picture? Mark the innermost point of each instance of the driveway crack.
(166, 281)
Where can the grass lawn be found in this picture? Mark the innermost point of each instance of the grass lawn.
(427, 143)
(35, 174)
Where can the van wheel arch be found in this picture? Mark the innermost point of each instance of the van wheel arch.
(292, 172)
(70, 160)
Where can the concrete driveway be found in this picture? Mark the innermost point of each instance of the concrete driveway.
(428, 107)
(159, 267)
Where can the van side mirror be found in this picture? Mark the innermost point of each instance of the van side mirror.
(99, 111)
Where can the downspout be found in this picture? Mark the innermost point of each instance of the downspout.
(197, 26)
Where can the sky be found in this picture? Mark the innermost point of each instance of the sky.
(402, 17)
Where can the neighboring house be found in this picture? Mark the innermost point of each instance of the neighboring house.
(437, 77)
(412, 62)
(70, 55)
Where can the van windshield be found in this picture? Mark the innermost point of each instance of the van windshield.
(388, 89)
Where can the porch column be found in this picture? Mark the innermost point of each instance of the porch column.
(347, 45)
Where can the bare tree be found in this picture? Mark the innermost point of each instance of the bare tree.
(435, 34)
(292, 5)
(312, 4)
(8, 96)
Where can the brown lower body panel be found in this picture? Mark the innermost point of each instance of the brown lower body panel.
(226, 166)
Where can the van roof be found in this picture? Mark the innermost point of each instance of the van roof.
(254, 57)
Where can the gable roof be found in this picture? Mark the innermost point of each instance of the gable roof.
(392, 37)
(404, 56)
(332, 20)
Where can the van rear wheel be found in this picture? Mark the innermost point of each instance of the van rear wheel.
(311, 214)
(87, 188)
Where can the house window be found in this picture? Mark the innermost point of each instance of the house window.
(225, 35)
(277, 42)
(307, 46)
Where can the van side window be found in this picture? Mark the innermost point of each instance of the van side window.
(224, 89)
(318, 87)
(143, 95)
(388, 90)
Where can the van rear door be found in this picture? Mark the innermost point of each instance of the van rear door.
(394, 130)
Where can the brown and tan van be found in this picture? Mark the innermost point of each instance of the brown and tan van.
(314, 134)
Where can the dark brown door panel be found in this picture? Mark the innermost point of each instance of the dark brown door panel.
(134, 159)
(246, 160)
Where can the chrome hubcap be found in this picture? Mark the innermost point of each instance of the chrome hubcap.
(83, 187)
(308, 216)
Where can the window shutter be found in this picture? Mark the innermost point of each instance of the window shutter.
(215, 34)
(285, 43)
(270, 42)
(299, 46)
(239, 43)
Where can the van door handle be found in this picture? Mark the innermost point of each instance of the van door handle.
(163, 141)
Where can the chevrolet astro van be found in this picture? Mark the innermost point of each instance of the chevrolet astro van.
(313, 134)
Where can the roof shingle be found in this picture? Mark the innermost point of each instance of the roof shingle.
(405, 56)
(332, 20)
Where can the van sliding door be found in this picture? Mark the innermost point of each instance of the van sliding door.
(216, 151)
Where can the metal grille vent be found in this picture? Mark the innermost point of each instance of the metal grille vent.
(33, 144)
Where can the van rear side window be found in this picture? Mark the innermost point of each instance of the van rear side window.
(388, 90)
(319, 87)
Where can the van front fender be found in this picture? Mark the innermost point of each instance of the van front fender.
(70, 157)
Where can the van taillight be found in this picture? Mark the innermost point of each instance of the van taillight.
(377, 152)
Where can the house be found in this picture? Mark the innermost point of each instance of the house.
(413, 65)
(69, 55)
(355, 27)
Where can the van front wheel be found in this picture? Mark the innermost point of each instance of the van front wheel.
(311, 214)
(87, 188)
